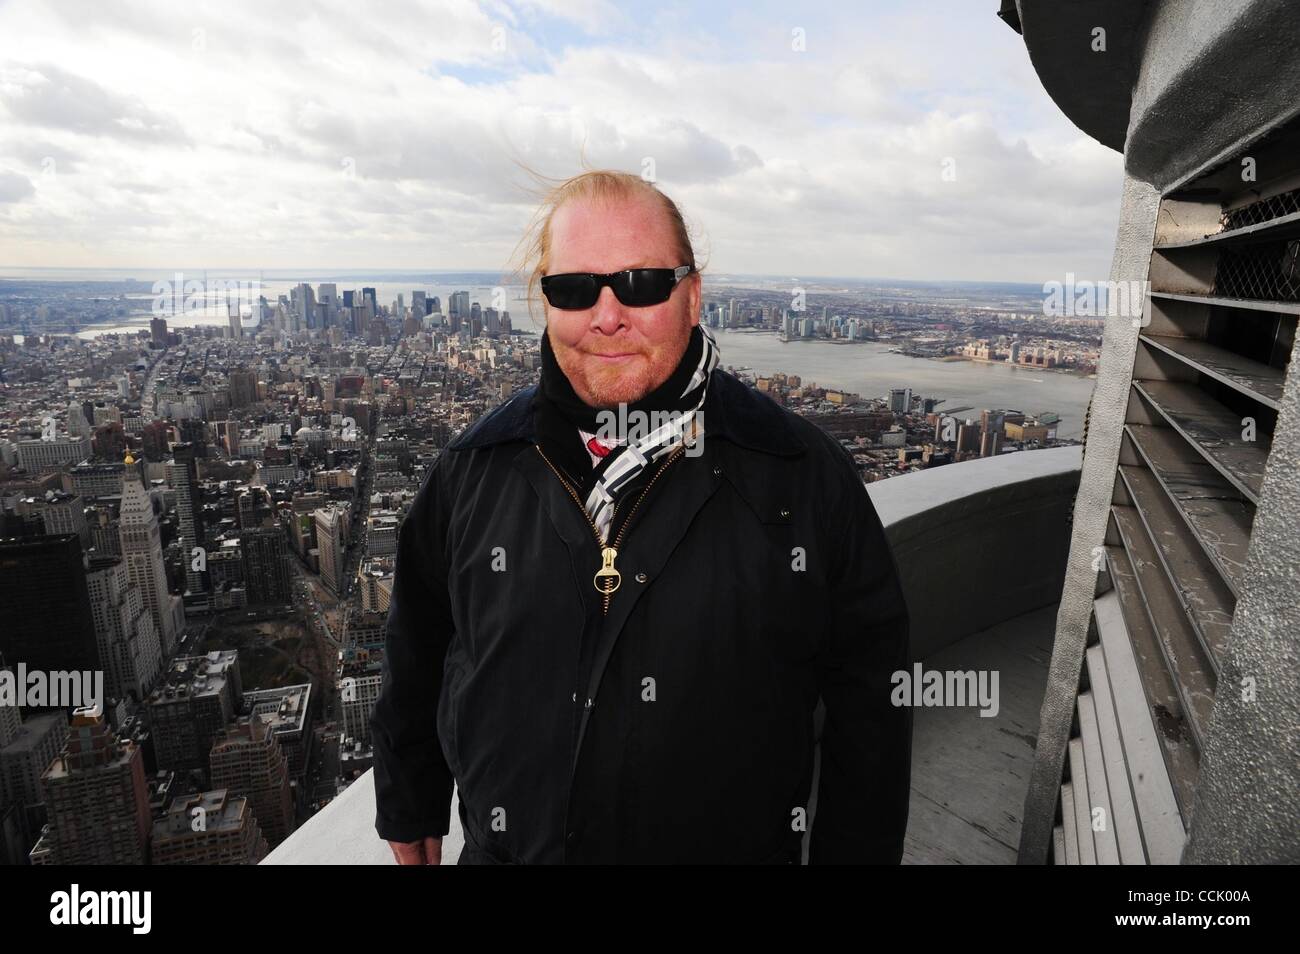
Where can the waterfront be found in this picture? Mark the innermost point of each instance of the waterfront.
(870, 369)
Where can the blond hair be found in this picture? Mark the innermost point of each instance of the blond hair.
(533, 254)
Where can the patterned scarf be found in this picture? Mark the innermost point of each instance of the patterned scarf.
(674, 406)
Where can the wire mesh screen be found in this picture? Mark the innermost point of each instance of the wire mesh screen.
(1262, 211)
(1269, 271)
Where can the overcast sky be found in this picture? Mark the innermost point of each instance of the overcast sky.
(353, 134)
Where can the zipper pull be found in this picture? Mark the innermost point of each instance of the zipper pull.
(607, 570)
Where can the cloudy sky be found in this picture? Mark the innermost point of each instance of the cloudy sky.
(297, 134)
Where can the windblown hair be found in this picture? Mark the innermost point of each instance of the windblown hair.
(533, 254)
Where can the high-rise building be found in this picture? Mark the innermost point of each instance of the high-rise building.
(358, 691)
(968, 440)
(331, 532)
(198, 698)
(10, 719)
(78, 426)
(182, 474)
(38, 455)
(287, 711)
(208, 828)
(304, 303)
(47, 619)
(458, 306)
(143, 555)
(106, 414)
(158, 331)
(900, 400)
(266, 565)
(247, 760)
(35, 743)
(97, 798)
(991, 433)
(59, 512)
(130, 651)
(243, 388)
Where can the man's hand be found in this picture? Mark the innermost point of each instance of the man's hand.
(425, 852)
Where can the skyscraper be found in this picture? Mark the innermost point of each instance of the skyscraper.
(129, 649)
(247, 761)
(182, 473)
(243, 388)
(266, 565)
(142, 551)
(47, 620)
(197, 699)
(304, 304)
(60, 512)
(331, 528)
(97, 798)
(458, 306)
(78, 426)
(992, 433)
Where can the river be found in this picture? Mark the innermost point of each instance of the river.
(869, 369)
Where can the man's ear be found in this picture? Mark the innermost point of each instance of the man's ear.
(694, 294)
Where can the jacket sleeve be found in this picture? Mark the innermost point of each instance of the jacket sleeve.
(866, 742)
(413, 783)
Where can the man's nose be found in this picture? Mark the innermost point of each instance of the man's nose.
(608, 314)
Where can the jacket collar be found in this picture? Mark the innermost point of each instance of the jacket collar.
(732, 410)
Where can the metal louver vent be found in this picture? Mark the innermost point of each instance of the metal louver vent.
(1206, 390)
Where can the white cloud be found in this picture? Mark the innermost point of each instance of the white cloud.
(341, 134)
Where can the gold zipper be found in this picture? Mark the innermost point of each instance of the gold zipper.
(608, 554)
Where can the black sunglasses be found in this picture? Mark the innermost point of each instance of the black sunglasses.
(634, 287)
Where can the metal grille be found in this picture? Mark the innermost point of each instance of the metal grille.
(1268, 271)
(1262, 211)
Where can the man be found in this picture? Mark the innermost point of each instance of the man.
(613, 640)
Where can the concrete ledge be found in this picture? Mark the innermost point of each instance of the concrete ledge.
(981, 541)
(343, 833)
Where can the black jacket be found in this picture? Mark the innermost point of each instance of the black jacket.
(676, 727)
